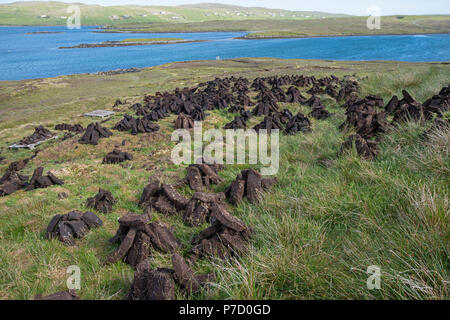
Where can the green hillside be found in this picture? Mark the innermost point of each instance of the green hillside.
(55, 13)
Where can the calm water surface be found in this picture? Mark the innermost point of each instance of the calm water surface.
(25, 56)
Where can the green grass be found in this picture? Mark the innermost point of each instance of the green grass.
(345, 26)
(29, 13)
(315, 233)
(150, 39)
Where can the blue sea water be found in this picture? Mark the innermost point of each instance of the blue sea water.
(25, 56)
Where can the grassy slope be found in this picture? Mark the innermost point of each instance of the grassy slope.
(27, 13)
(315, 233)
(302, 28)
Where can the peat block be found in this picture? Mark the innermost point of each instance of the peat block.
(202, 175)
(40, 134)
(199, 208)
(136, 125)
(184, 121)
(249, 184)
(69, 127)
(162, 197)
(136, 237)
(103, 201)
(93, 133)
(226, 237)
(39, 181)
(117, 156)
(367, 149)
(299, 123)
(74, 224)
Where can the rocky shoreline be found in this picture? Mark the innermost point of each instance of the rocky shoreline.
(127, 44)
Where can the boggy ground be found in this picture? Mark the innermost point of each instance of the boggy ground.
(315, 233)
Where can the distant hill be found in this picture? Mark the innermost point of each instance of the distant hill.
(54, 13)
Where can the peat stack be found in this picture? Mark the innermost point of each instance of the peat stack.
(103, 201)
(136, 125)
(331, 90)
(62, 295)
(76, 128)
(198, 114)
(315, 89)
(199, 208)
(438, 104)
(163, 198)
(117, 156)
(18, 165)
(313, 102)
(11, 182)
(39, 181)
(349, 90)
(319, 113)
(93, 133)
(264, 109)
(299, 123)
(74, 224)
(226, 237)
(184, 122)
(202, 175)
(363, 116)
(367, 149)
(149, 284)
(160, 283)
(186, 278)
(285, 116)
(293, 95)
(250, 184)
(156, 114)
(408, 109)
(237, 123)
(269, 123)
(40, 134)
(136, 237)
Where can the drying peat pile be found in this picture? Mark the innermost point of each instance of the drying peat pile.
(200, 176)
(192, 104)
(136, 125)
(38, 180)
(226, 237)
(184, 122)
(117, 156)
(200, 207)
(103, 201)
(76, 128)
(370, 124)
(163, 198)
(136, 238)
(74, 224)
(93, 133)
(40, 134)
(159, 284)
(249, 184)
(11, 182)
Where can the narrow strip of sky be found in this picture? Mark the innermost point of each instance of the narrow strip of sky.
(354, 7)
